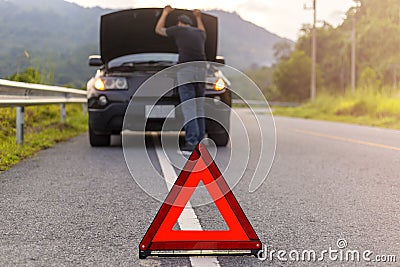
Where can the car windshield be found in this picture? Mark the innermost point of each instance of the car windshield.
(169, 58)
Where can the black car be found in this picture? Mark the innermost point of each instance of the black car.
(131, 53)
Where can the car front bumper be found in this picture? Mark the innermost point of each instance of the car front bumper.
(110, 119)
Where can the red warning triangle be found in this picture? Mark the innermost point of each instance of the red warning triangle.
(162, 237)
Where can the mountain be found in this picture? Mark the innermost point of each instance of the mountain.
(243, 43)
(58, 37)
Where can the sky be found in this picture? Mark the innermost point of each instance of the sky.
(282, 17)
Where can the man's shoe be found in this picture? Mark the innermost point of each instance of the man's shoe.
(187, 149)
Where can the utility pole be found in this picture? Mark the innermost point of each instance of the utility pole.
(314, 55)
(353, 55)
(313, 82)
(354, 46)
(353, 51)
(395, 68)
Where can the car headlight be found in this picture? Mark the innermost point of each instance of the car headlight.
(110, 83)
(219, 85)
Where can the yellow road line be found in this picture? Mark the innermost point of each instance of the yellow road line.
(348, 140)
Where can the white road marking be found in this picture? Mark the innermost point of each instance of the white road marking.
(188, 219)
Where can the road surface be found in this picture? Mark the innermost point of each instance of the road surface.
(76, 205)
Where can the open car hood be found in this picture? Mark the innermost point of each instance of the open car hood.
(132, 31)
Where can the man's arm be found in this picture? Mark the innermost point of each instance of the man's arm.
(200, 25)
(160, 27)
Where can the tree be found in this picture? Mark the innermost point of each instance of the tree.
(30, 75)
(369, 78)
(333, 55)
(282, 50)
(377, 42)
(292, 77)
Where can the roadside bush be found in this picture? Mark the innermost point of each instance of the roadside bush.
(366, 106)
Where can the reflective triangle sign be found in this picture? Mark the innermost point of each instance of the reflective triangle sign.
(161, 237)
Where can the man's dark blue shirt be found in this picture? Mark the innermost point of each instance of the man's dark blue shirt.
(190, 42)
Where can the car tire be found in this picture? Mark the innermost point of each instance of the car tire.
(220, 139)
(97, 140)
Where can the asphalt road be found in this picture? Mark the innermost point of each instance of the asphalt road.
(76, 205)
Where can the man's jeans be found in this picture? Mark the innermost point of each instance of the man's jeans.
(193, 111)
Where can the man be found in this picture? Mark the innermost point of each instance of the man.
(191, 47)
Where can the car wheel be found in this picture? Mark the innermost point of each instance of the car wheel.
(220, 139)
(98, 140)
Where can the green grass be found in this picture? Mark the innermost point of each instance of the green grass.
(43, 129)
(365, 107)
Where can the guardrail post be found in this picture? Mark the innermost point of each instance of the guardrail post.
(20, 125)
(63, 112)
(84, 108)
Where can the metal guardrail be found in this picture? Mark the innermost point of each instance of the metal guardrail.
(19, 95)
(263, 103)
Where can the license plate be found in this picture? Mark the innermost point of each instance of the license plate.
(160, 111)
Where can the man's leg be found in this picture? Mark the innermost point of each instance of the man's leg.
(200, 94)
(187, 91)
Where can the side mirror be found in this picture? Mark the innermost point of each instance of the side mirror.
(95, 61)
(220, 60)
